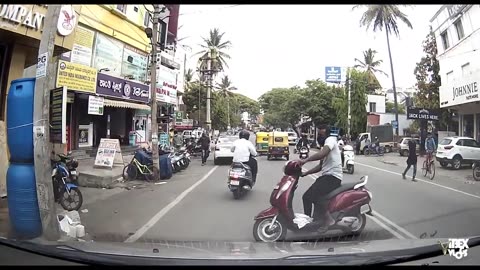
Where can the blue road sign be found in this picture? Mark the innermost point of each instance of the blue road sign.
(333, 74)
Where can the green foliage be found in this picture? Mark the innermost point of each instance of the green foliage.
(429, 81)
(358, 85)
(390, 108)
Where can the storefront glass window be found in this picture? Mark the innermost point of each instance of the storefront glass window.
(478, 128)
(468, 125)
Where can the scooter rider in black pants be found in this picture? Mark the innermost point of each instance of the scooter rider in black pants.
(331, 178)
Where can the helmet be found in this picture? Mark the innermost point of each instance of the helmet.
(243, 134)
(292, 168)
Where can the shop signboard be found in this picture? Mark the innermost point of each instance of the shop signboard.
(58, 115)
(184, 124)
(76, 77)
(134, 63)
(422, 113)
(461, 91)
(166, 85)
(178, 117)
(95, 105)
(82, 46)
(120, 88)
(109, 153)
(108, 54)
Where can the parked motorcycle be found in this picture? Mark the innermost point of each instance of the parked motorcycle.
(185, 157)
(65, 192)
(372, 149)
(476, 170)
(193, 148)
(304, 151)
(349, 155)
(239, 179)
(347, 205)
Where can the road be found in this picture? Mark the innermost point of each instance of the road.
(196, 205)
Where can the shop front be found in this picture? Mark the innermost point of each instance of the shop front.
(126, 110)
(462, 95)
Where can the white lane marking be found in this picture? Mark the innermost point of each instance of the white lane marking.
(383, 225)
(421, 180)
(400, 229)
(134, 237)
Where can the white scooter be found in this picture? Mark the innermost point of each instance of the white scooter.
(348, 164)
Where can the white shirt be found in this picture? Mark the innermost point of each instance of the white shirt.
(242, 149)
(332, 164)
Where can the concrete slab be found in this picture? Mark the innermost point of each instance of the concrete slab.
(91, 176)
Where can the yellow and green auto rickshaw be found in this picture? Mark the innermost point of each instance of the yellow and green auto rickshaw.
(261, 142)
(278, 145)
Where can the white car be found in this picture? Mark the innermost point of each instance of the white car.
(292, 138)
(457, 151)
(223, 148)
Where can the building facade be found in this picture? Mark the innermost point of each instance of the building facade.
(457, 34)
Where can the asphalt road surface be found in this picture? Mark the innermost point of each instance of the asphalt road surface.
(196, 205)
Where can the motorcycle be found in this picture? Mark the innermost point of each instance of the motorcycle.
(349, 155)
(193, 148)
(185, 157)
(476, 170)
(304, 152)
(379, 150)
(347, 205)
(240, 179)
(63, 187)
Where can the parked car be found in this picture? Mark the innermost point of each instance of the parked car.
(403, 147)
(457, 151)
(292, 138)
(223, 148)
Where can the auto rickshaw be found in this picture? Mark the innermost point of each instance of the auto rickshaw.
(261, 142)
(278, 145)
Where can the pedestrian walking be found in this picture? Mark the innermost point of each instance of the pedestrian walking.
(204, 142)
(411, 160)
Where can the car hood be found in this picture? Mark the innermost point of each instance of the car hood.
(181, 252)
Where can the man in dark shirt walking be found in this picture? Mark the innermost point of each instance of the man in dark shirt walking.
(204, 142)
(411, 160)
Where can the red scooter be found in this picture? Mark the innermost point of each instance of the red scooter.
(347, 205)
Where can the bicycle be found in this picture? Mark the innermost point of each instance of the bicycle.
(131, 170)
(429, 166)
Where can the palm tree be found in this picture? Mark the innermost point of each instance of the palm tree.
(188, 78)
(213, 60)
(369, 64)
(225, 88)
(214, 48)
(385, 17)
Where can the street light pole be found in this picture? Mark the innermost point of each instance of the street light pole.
(153, 87)
(209, 89)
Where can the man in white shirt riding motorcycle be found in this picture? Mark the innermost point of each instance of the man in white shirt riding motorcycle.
(330, 179)
(244, 151)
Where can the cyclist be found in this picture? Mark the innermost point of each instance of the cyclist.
(430, 146)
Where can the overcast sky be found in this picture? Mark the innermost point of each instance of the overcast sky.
(285, 45)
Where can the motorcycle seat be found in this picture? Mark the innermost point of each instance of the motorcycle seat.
(342, 188)
(240, 165)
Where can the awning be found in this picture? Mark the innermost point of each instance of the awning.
(123, 104)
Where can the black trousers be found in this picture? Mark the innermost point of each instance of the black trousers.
(315, 195)
(252, 163)
(205, 154)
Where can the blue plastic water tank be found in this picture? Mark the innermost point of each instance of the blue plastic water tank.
(22, 201)
(19, 120)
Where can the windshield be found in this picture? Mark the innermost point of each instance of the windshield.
(94, 89)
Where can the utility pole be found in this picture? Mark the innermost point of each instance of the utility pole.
(41, 123)
(349, 102)
(153, 87)
(209, 90)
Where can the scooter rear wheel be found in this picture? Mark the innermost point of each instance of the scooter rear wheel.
(262, 233)
(358, 229)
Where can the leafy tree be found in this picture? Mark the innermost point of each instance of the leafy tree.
(318, 102)
(385, 17)
(358, 82)
(429, 81)
(390, 108)
(370, 65)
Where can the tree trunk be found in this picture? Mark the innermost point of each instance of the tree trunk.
(228, 111)
(393, 83)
